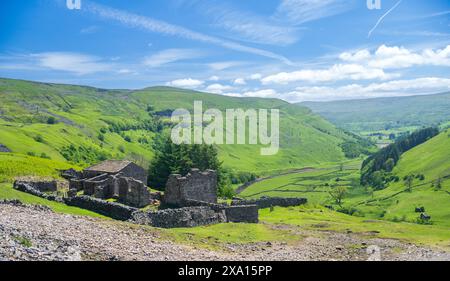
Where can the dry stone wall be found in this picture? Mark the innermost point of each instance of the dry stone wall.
(110, 209)
(267, 202)
(181, 217)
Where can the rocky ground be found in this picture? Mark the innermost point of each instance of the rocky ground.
(37, 233)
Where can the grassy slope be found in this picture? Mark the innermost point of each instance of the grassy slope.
(374, 114)
(430, 159)
(25, 106)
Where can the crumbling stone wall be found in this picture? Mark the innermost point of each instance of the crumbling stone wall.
(133, 192)
(110, 209)
(267, 202)
(136, 172)
(30, 188)
(196, 185)
(247, 214)
(182, 217)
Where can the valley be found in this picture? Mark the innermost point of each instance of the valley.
(47, 128)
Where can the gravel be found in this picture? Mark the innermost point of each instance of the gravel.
(36, 233)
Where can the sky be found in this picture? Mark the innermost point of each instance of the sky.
(295, 50)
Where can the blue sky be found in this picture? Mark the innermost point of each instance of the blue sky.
(295, 50)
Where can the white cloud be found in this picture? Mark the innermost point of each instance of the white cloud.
(333, 73)
(185, 83)
(395, 57)
(214, 78)
(79, 64)
(265, 93)
(419, 86)
(239, 81)
(256, 76)
(218, 88)
(153, 25)
(171, 55)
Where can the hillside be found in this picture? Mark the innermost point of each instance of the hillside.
(385, 113)
(430, 159)
(83, 125)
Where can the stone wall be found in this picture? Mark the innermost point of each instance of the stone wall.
(98, 186)
(196, 185)
(3, 148)
(267, 202)
(182, 217)
(110, 209)
(247, 213)
(133, 192)
(136, 172)
(29, 187)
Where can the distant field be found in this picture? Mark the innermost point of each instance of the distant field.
(313, 185)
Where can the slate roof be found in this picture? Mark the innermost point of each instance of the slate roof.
(110, 166)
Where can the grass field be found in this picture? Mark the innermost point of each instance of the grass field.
(313, 184)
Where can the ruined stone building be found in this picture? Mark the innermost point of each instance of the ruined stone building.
(114, 167)
(123, 180)
(196, 186)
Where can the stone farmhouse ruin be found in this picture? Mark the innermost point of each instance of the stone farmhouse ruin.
(189, 200)
(122, 180)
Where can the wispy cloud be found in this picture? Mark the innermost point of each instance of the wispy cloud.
(72, 62)
(90, 29)
(302, 11)
(76, 63)
(153, 25)
(222, 65)
(380, 20)
(249, 26)
(171, 55)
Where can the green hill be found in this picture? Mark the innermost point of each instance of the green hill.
(385, 113)
(83, 125)
(430, 159)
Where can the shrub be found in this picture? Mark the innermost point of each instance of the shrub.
(39, 138)
(45, 156)
(51, 120)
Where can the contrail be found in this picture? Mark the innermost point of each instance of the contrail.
(162, 27)
(382, 17)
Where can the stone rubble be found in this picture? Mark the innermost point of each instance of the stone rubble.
(36, 233)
